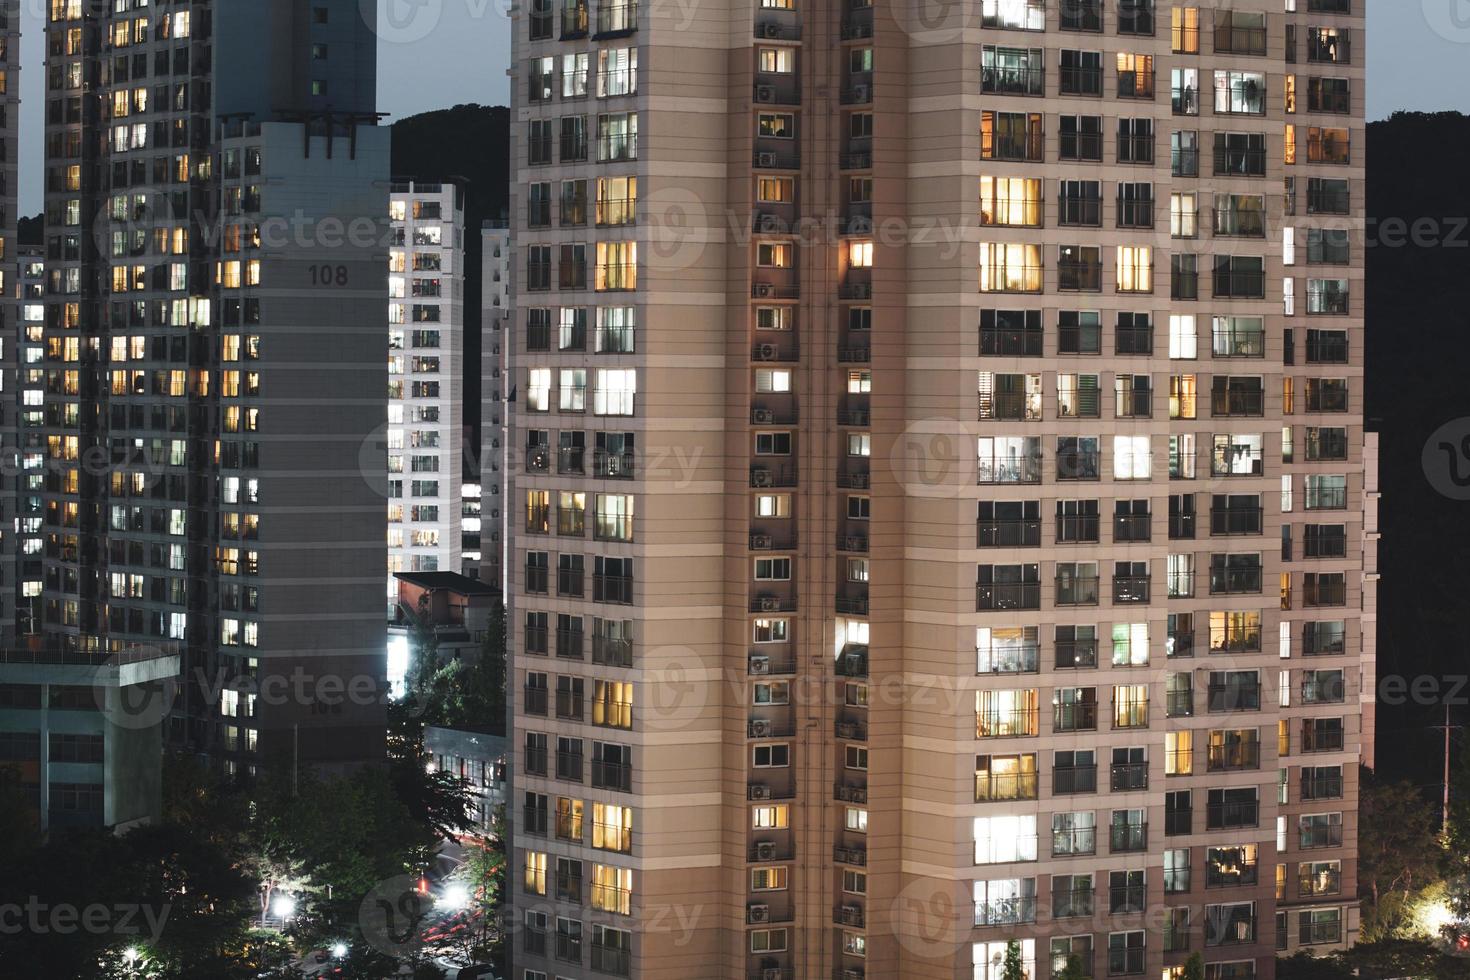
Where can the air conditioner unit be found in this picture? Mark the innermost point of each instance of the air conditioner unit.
(855, 543)
(770, 604)
(768, 222)
(860, 93)
(852, 913)
(846, 729)
(763, 289)
(765, 93)
(765, 352)
(763, 416)
(862, 290)
(771, 30)
(760, 728)
(760, 542)
(772, 973)
(760, 791)
(765, 850)
(765, 159)
(758, 913)
(761, 478)
(860, 224)
(760, 665)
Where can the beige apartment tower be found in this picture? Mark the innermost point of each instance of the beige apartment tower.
(937, 494)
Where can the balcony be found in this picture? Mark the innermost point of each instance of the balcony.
(612, 651)
(1013, 80)
(1078, 717)
(851, 728)
(853, 544)
(1247, 403)
(769, 850)
(772, 476)
(1234, 757)
(1074, 779)
(852, 661)
(770, 602)
(848, 915)
(850, 793)
(1077, 590)
(767, 728)
(855, 478)
(1234, 520)
(765, 665)
(773, 93)
(1019, 533)
(1007, 595)
(783, 351)
(1131, 589)
(853, 354)
(612, 588)
(852, 602)
(1223, 816)
(1179, 704)
(774, 24)
(1128, 776)
(773, 160)
(765, 791)
(857, 856)
(773, 411)
(1234, 697)
(1125, 837)
(782, 540)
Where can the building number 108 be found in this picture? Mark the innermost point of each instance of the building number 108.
(329, 275)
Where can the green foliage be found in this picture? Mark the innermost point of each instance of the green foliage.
(1194, 967)
(1011, 969)
(465, 691)
(1385, 959)
(1399, 855)
(1073, 969)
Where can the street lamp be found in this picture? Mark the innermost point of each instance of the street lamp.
(454, 898)
(283, 907)
(339, 950)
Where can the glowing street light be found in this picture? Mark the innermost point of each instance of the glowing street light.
(283, 907)
(454, 898)
(339, 950)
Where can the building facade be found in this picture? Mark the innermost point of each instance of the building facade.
(496, 323)
(425, 381)
(939, 509)
(215, 365)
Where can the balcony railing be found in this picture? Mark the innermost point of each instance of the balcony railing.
(1127, 776)
(1131, 588)
(1080, 717)
(1234, 697)
(1007, 595)
(1236, 520)
(1074, 779)
(1008, 533)
(1242, 755)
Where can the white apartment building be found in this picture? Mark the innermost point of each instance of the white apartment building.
(425, 384)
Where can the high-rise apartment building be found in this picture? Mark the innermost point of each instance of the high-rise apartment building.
(9, 308)
(939, 519)
(425, 381)
(496, 324)
(216, 262)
